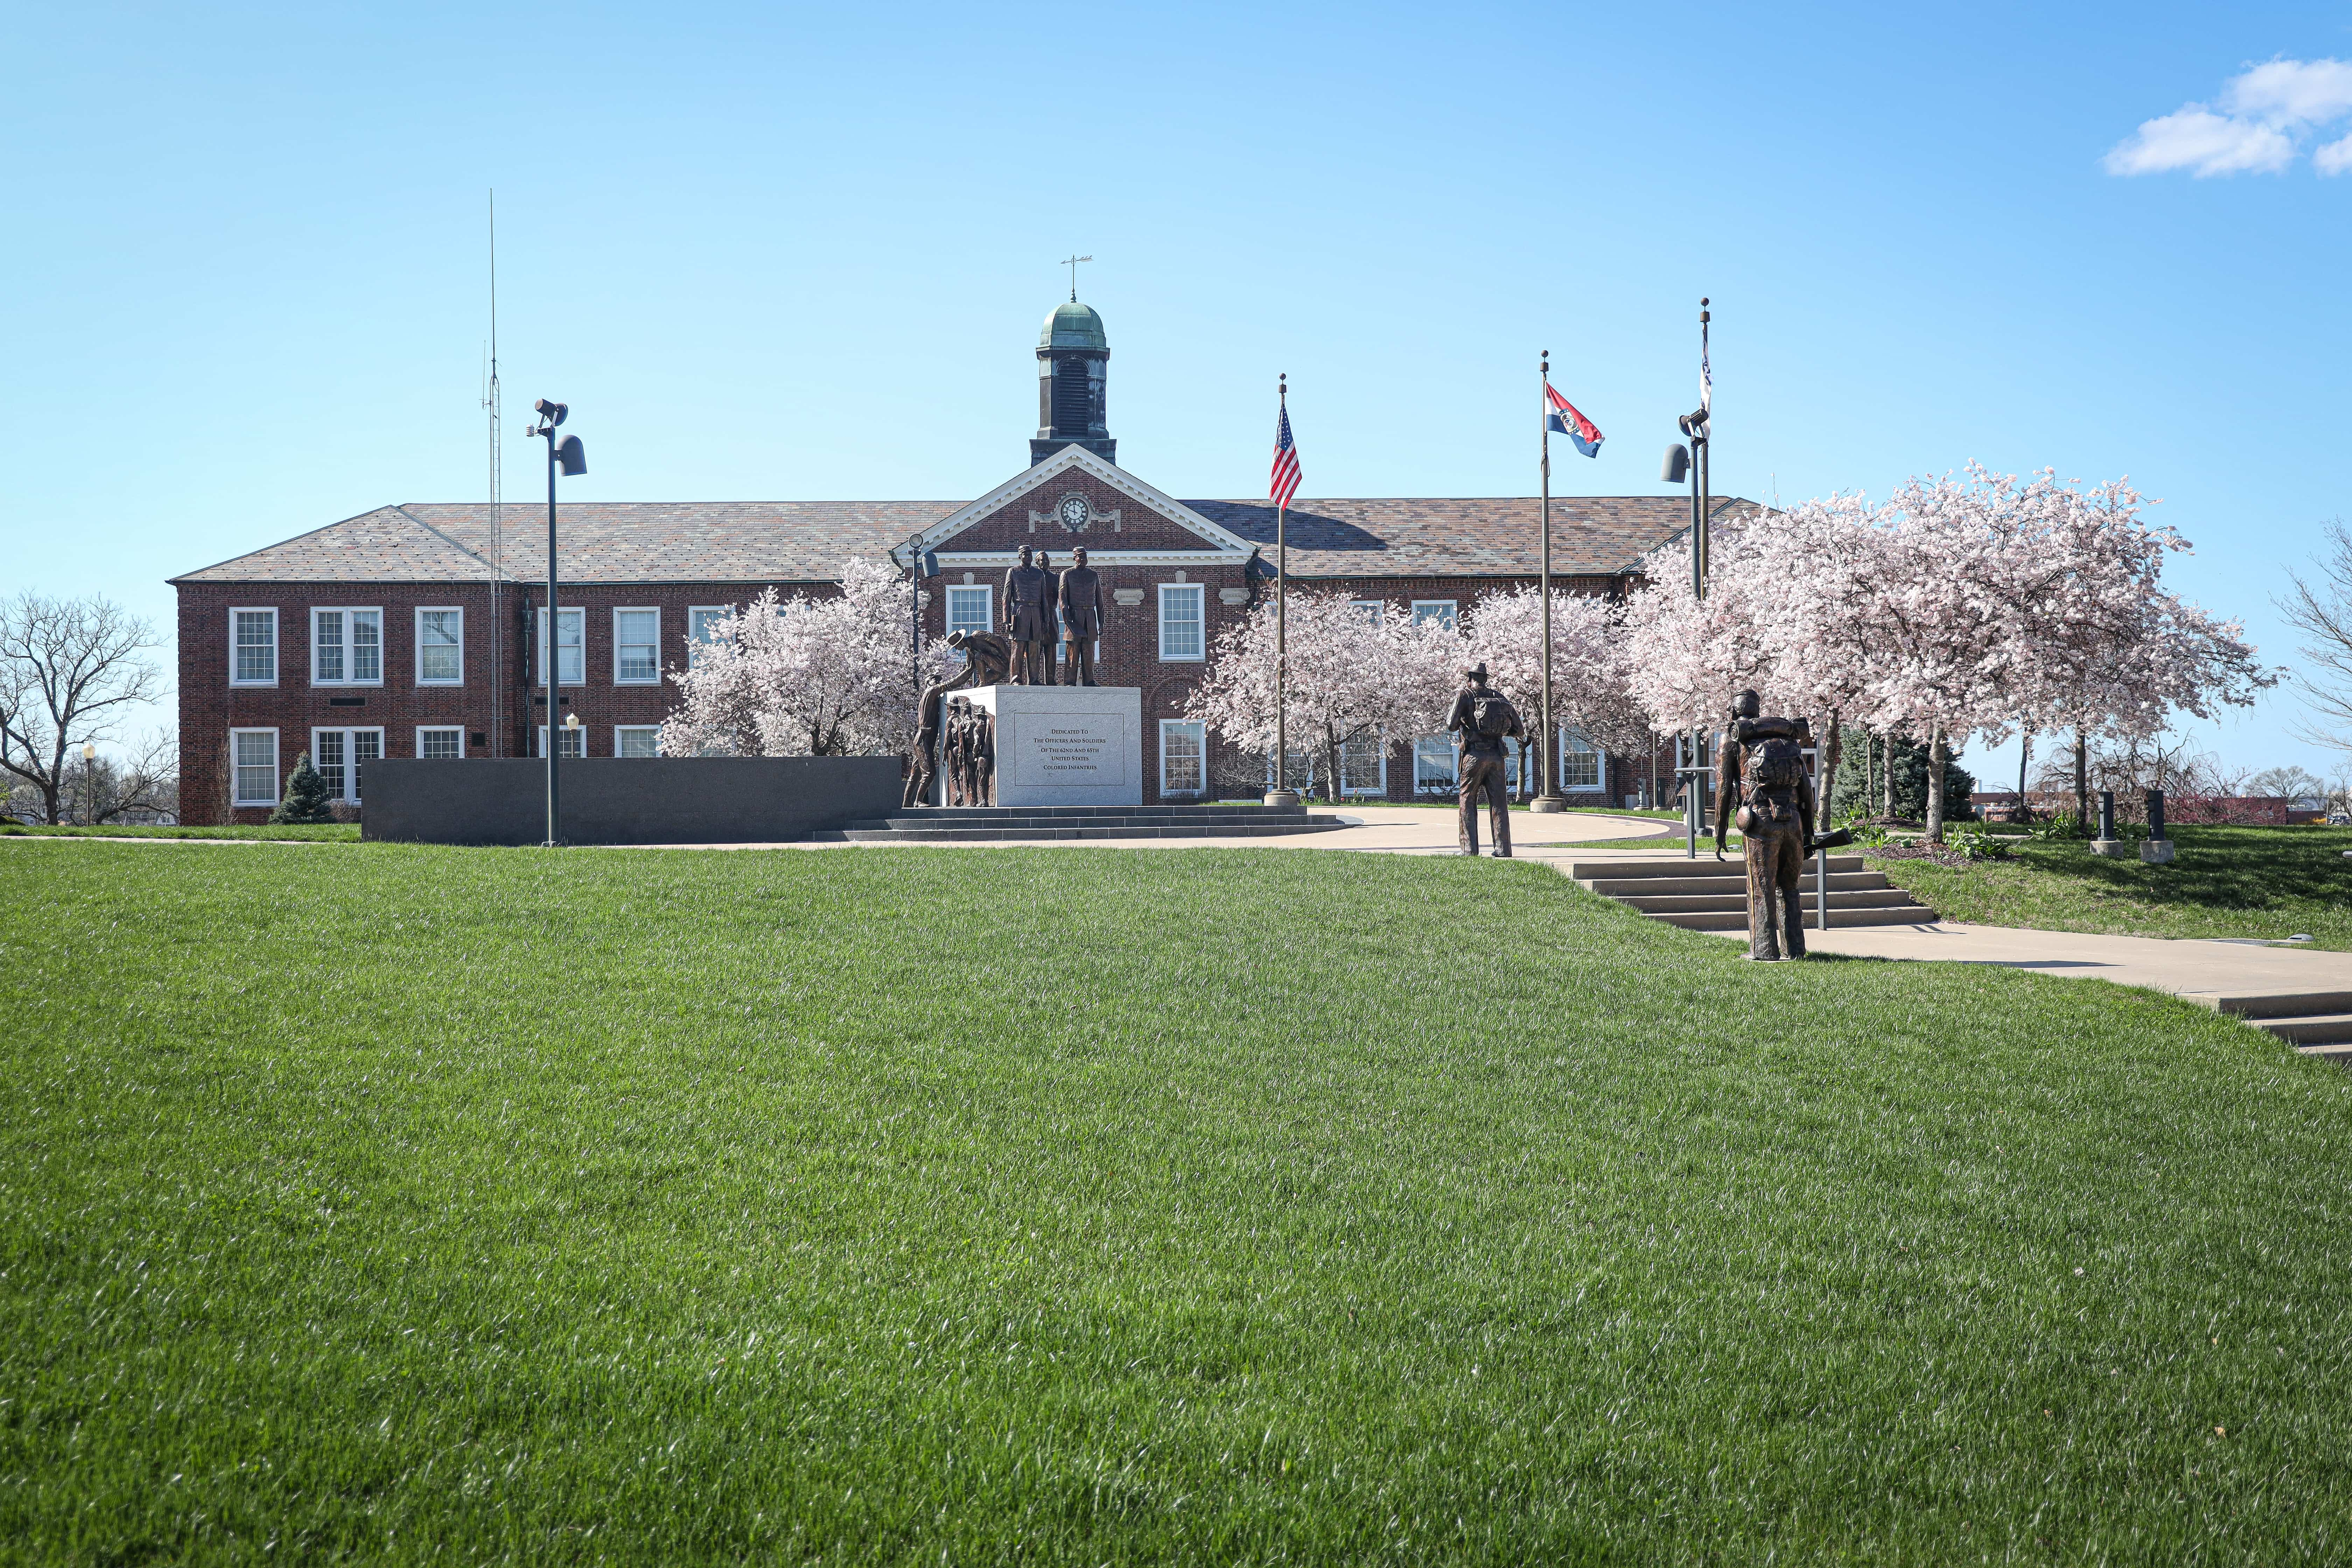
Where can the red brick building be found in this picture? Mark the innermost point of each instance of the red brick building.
(407, 631)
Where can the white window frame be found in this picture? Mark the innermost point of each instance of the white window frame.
(568, 756)
(350, 795)
(277, 773)
(1199, 733)
(621, 730)
(1200, 593)
(1577, 745)
(620, 679)
(541, 672)
(457, 730)
(695, 616)
(987, 592)
(423, 679)
(350, 644)
(1446, 611)
(1379, 745)
(1373, 610)
(1429, 746)
(269, 610)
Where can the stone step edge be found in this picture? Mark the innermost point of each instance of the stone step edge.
(1736, 919)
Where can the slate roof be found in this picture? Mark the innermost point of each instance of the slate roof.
(808, 542)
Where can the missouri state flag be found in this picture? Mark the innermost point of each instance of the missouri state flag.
(1565, 419)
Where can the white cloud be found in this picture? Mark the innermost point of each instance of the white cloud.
(2204, 143)
(2286, 92)
(2266, 108)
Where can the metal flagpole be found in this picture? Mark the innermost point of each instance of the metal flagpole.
(1548, 797)
(1281, 794)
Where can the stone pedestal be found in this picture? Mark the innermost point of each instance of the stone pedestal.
(1066, 745)
(2113, 848)
(2155, 851)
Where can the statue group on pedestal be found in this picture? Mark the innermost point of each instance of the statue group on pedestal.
(1035, 598)
(969, 754)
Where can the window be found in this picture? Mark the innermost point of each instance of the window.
(253, 649)
(440, 742)
(1184, 756)
(253, 756)
(576, 742)
(1364, 765)
(440, 648)
(1373, 610)
(635, 741)
(702, 621)
(971, 609)
(571, 652)
(1580, 765)
(1432, 765)
(637, 647)
(1438, 610)
(1180, 621)
(346, 648)
(338, 754)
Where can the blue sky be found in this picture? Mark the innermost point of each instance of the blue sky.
(782, 252)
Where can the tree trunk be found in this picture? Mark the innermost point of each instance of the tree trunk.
(1935, 784)
(1869, 769)
(2024, 751)
(1833, 748)
(2081, 776)
(1887, 742)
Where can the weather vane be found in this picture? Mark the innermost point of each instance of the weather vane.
(1071, 263)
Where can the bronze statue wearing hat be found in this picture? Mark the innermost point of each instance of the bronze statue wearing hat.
(1484, 719)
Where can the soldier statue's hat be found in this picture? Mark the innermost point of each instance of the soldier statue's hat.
(1477, 672)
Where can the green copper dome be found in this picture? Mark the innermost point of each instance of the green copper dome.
(1074, 326)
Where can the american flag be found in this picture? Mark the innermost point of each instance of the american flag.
(1286, 460)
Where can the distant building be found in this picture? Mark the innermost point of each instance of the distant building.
(373, 637)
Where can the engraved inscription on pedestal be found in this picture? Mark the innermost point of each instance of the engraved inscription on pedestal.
(1083, 750)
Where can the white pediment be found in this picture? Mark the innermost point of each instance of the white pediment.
(1222, 542)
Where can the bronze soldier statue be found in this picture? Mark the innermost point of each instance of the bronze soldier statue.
(983, 755)
(1762, 769)
(1082, 618)
(1029, 620)
(987, 657)
(1485, 719)
(955, 754)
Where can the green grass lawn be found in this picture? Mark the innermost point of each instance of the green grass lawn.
(1086, 1207)
(2227, 882)
(333, 832)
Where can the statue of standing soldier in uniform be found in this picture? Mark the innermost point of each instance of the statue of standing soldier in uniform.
(1029, 621)
(1484, 719)
(1080, 596)
(1762, 776)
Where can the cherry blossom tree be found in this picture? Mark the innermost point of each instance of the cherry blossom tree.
(1357, 671)
(810, 676)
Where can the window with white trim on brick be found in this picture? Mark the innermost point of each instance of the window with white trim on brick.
(337, 752)
(571, 654)
(636, 741)
(637, 647)
(440, 742)
(253, 647)
(441, 646)
(253, 761)
(346, 646)
(1438, 610)
(1182, 630)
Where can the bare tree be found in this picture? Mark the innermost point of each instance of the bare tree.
(69, 669)
(2320, 607)
(143, 781)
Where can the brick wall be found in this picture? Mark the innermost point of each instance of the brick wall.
(210, 706)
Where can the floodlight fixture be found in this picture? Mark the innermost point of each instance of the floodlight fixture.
(1676, 467)
(571, 456)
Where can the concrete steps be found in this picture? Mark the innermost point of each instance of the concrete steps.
(1707, 894)
(2316, 1022)
(1063, 824)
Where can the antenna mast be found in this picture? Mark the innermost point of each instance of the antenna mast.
(498, 529)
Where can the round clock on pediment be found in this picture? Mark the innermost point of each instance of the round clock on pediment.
(1073, 513)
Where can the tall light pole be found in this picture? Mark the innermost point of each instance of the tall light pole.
(1692, 463)
(88, 785)
(569, 457)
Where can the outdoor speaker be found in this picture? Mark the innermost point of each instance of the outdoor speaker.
(572, 456)
(1676, 467)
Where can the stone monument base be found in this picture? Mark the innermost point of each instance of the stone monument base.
(2113, 848)
(2155, 851)
(1065, 745)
